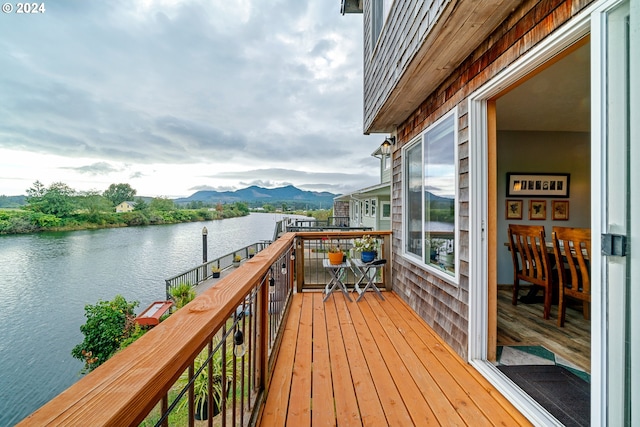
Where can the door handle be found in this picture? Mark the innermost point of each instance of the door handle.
(614, 244)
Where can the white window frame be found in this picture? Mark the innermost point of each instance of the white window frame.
(384, 7)
(373, 207)
(411, 257)
(382, 209)
(366, 207)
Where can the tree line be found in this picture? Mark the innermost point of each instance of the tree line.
(60, 207)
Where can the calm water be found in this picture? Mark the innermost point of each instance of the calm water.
(46, 280)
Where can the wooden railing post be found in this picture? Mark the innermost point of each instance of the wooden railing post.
(299, 263)
(386, 254)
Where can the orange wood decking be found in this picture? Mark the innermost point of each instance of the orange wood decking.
(374, 363)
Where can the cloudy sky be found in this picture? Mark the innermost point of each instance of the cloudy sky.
(176, 96)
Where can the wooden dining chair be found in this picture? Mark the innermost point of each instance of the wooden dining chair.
(572, 249)
(530, 261)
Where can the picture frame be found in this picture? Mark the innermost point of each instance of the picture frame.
(513, 209)
(537, 209)
(560, 210)
(537, 184)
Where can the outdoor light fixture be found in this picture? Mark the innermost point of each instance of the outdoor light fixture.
(272, 282)
(239, 348)
(385, 147)
(283, 269)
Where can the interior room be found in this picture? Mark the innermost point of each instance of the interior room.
(543, 127)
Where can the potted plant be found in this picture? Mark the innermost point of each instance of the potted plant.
(201, 383)
(335, 254)
(182, 294)
(236, 260)
(215, 271)
(252, 252)
(367, 246)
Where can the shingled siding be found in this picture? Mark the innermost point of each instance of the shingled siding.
(405, 29)
(443, 305)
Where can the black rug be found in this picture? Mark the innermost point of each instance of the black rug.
(563, 394)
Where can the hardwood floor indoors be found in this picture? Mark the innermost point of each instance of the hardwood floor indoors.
(523, 325)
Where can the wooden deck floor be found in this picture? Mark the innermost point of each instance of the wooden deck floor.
(374, 363)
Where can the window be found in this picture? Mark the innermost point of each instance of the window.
(366, 207)
(430, 193)
(356, 212)
(379, 11)
(385, 210)
(373, 207)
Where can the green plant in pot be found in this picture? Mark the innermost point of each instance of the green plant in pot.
(236, 260)
(182, 294)
(201, 383)
(367, 246)
(215, 271)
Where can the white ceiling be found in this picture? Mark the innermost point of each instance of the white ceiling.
(556, 99)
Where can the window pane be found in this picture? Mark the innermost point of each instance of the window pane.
(414, 200)
(439, 196)
(386, 210)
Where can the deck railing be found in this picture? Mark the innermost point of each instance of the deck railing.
(150, 381)
(156, 380)
(202, 272)
(311, 249)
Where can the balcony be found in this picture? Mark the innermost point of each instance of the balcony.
(302, 361)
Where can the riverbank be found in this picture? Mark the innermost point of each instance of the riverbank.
(18, 221)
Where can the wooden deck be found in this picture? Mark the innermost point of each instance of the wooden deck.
(374, 363)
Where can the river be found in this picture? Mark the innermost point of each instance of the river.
(46, 279)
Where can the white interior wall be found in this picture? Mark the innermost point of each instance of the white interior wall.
(543, 152)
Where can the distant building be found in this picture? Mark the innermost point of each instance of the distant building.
(371, 206)
(125, 207)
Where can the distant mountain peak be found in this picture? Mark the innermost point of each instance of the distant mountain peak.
(255, 195)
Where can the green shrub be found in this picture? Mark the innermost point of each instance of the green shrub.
(182, 294)
(108, 324)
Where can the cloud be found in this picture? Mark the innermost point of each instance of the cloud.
(100, 168)
(259, 84)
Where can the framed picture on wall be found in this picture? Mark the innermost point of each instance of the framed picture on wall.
(513, 209)
(537, 184)
(560, 210)
(537, 209)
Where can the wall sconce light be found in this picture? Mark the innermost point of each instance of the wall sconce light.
(385, 147)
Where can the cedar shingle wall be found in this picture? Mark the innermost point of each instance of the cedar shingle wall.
(405, 29)
(444, 305)
(341, 209)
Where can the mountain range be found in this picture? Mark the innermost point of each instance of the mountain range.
(257, 196)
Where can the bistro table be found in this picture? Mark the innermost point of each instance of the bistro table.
(368, 270)
(336, 271)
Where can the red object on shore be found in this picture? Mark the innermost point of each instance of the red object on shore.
(151, 315)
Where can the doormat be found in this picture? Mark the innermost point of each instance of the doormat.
(560, 392)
